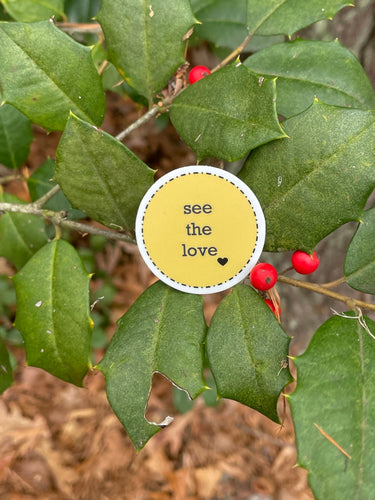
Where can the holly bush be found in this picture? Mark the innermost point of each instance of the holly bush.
(299, 112)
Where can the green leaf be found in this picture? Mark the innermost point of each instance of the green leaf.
(226, 114)
(329, 156)
(28, 11)
(6, 377)
(359, 267)
(82, 11)
(335, 392)
(226, 24)
(44, 73)
(15, 136)
(307, 69)
(21, 235)
(246, 347)
(285, 17)
(146, 40)
(162, 332)
(41, 181)
(100, 176)
(53, 311)
(223, 22)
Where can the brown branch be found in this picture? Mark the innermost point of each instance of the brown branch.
(314, 287)
(59, 219)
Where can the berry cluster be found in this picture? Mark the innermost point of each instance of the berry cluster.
(263, 276)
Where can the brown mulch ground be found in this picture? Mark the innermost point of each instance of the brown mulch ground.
(60, 442)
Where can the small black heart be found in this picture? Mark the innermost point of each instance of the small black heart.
(222, 260)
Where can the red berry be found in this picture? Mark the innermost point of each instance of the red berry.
(197, 73)
(273, 308)
(263, 276)
(305, 263)
(270, 304)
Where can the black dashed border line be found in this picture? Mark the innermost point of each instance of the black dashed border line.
(179, 282)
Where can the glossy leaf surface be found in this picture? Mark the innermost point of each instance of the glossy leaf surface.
(6, 377)
(359, 268)
(162, 332)
(114, 179)
(21, 235)
(28, 11)
(15, 136)
(146, 40)
(318, 179)
(53, 312)
(246, 347)
(227, 113)
(306, 69)
(44, 73)
(334, 400)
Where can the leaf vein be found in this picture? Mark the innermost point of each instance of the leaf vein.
(289, 192)
(66, 96)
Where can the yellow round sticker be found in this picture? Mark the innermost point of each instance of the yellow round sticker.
(200, 229)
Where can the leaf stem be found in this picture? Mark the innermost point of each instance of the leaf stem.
(46, 197)
(80, 27)
(143, 119)
(315, 287)
(236, 52)
(59, 219)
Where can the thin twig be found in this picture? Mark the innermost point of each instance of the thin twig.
(236, 52)
(143, 119)
(86, 228)
(314, 287)
(59, 219)
(80, 27)
(12, 177)
(46, 197)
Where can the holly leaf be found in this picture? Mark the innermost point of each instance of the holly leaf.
(28, 11)
(21, 235)
(162, 332)
(45, 74)
(359, 266)
(247, 349)
(53, 312)
(114, 179)
(285, 17)
(306, 69)
(227, 113)
(329, 150)
(222, 23)
(15, 136)
(6, 377)
(41, 181)
(146, 40)
(333, 409)
(226, 24)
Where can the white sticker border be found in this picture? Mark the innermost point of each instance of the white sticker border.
(244, 188)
